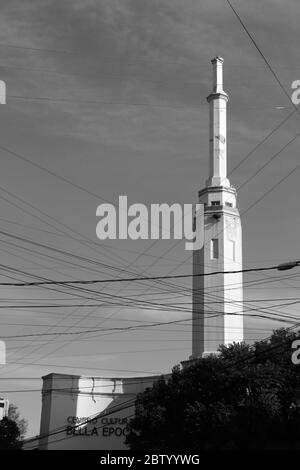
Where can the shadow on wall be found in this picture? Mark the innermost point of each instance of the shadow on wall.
(88, 412)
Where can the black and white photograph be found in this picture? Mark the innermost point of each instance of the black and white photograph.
(149, 230)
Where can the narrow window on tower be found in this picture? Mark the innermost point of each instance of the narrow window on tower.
(232, 250)
(214, 248)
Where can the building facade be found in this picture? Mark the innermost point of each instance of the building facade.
(4, 405)
(80, 412)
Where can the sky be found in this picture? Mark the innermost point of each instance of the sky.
(108, 98)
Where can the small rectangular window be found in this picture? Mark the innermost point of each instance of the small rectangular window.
(215, 203)
(229, 204)
(231, 250)
(214, 248)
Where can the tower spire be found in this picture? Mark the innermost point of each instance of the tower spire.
(217, 128)
(217, 308)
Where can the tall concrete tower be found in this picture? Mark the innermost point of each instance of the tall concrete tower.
(217, 299)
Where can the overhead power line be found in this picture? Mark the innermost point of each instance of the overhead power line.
(30, 48)
(261, 54)
(281, 318)
(275, 155)
(246, 358)
(261, 142)
(135, 279)
(108, 103)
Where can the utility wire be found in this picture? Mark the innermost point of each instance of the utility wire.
(132, 279)
(232, 364)
(275, 129)
(262, 54)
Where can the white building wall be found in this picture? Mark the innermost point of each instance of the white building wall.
(87, 413)
(217, 299)
(4, 405)
(233, 283)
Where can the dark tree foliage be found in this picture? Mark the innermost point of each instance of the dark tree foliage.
(12, 430)
(9, 435)
(14, 415)
(244, 398)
